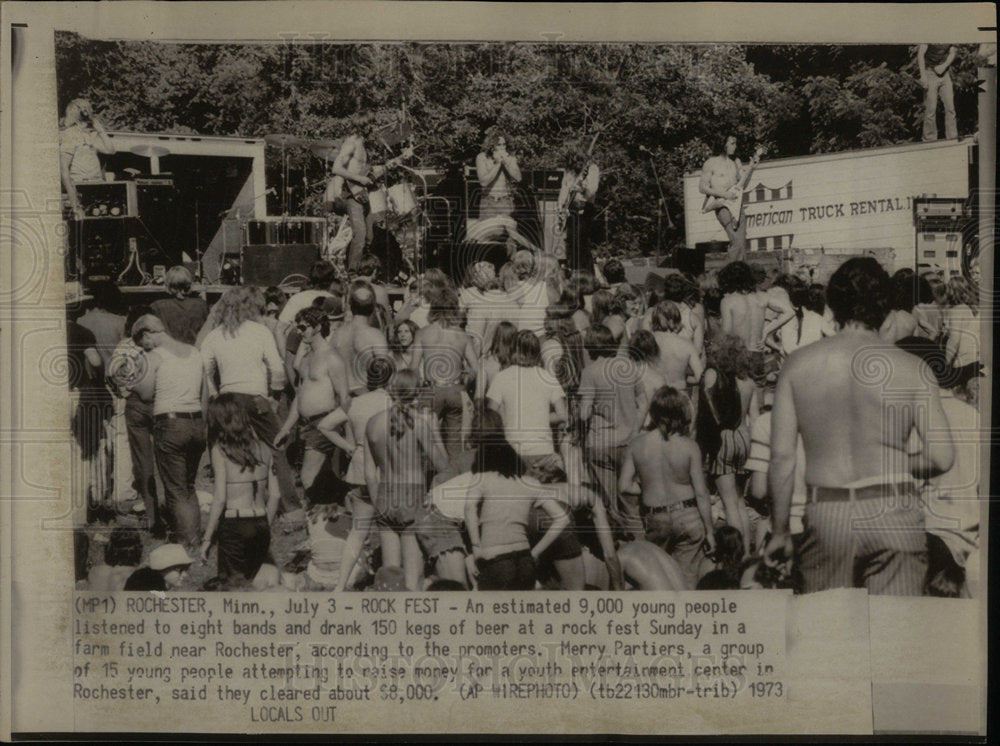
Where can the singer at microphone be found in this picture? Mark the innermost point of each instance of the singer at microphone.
(80, 140)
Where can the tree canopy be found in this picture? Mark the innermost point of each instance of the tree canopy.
(677, 101)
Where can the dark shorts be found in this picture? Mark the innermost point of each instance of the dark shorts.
(514, 571)
(397, 506)
(438, 534)
(243, 547)
(312, 438)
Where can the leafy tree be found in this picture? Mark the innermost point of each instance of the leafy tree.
(676, 101)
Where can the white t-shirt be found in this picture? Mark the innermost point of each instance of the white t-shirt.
(526, 396)
(178, 382)
(302, 299)
(244, 359)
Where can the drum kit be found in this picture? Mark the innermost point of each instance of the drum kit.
(393, 201)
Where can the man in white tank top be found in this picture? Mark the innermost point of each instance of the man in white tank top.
(177, 373)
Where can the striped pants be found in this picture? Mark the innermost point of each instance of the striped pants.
(878, 544)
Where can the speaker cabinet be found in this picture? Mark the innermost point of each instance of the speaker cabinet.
(270, 264)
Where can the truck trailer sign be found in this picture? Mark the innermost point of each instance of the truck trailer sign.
(849, 201)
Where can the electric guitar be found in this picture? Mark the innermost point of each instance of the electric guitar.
(358, 190)
(578, 186)
(735, 204)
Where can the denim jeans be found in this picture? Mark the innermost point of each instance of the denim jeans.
(680, 534)
(179, 444)
(139, 424)
(939, 86)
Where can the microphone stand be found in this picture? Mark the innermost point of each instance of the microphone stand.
(661, 206)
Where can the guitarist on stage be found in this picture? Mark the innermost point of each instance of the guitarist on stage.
(348, 189)
(581, 179)
(724, 177)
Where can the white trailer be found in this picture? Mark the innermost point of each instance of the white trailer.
(843, 203)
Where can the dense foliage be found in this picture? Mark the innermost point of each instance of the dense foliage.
(678, 101)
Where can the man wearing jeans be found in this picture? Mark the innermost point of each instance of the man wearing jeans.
(243, 353)
(935, 76)
(176, 371)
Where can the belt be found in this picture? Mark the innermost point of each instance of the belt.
(178, 416)
(689, 503)
(251, 513)
(870, 492)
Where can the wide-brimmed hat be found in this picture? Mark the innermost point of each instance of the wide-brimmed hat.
(168, 555)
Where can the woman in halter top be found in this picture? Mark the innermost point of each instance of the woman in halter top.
(242, 510)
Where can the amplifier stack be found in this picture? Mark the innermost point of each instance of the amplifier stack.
(127, 227)
(940, 234)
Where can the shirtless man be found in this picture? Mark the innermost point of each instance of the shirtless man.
(348, 189)
(744, 306)
(446, 353)
(399, 442)
(859, 405)
(358, 341)
(322, 389)
(674, 505)
(679, 359)
(719, 177)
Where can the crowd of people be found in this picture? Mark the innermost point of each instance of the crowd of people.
(532, 427)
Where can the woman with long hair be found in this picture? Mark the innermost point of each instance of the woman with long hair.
(399, 442)
(401, 344)
(726, 401)
(499, 356)
(242, 511)
(645, 353)
(562, 347)
(498, 511)
(600, 306)
(630, 304)
(580, 287)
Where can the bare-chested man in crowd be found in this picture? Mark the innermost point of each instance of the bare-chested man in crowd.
(322, 389)
(859, 406)
(675, 509)
(446, 353)
(744, 306)
(358, 341)
(678, 357)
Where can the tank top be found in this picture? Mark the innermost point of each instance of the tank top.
(178, 382)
